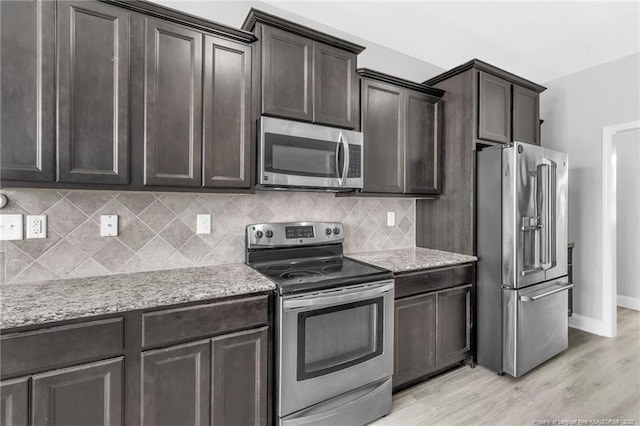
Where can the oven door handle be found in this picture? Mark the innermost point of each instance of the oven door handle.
(330, 299)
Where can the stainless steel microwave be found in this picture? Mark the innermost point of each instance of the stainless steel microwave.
(302, 155)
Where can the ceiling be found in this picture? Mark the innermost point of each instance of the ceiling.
(539, 40)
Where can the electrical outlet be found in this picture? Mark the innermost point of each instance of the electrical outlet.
(203, 224)
(10, 227)
(391, 218)
(109, 225)
(36, 226)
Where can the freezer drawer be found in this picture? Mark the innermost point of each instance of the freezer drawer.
(535, 325)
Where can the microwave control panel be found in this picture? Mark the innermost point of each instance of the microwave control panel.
(355, 161)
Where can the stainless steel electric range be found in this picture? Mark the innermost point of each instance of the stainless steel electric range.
(334, 325)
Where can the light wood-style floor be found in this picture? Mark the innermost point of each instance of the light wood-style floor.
(596, 378)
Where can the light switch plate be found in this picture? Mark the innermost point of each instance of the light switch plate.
(109, 225)
(36, 226)
(391, 218)
(203, 224)
(11, 227)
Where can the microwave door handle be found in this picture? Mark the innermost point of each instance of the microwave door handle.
(338, 145)
(345, 166)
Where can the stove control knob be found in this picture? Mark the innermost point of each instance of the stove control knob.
(327, 231)
(336, 230)
(269, 233)
(258, 234)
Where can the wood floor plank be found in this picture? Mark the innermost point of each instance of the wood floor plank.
(596, 378)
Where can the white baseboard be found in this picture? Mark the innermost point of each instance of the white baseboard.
(588, 324)
(629, 302)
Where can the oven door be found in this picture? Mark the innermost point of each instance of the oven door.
(333, 342)
(308, 155)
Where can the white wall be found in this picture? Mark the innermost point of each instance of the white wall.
(627, 151)
(575, 109)
(375, 56)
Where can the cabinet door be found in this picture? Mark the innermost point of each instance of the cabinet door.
(227, 114)
(383, 128)
(494, 107)
(335, 93)
(93, 93)
(173, 105)
(14, 402)
(239, 379)
(422, 144)
(89, 394)
(454, 325)
(27, 101)
(415, 338)
(287, 72)
(175, 386)
(526, 115)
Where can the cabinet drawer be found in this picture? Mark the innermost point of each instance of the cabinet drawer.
(193, 322)
(425, 281)
(60, 346)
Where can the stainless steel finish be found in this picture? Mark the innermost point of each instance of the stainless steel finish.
(304, 131)
(341, 296)
(521, 245)
(557, 289)
(279, 237)
(294, 394)
(365, 405)
(534, 331)
(534, 207)
(345, 165)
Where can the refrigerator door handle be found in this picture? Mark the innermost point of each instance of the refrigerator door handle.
(526, 272)
(546, 293)
(548, 198)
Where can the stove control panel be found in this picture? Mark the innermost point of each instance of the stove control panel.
(288, 234)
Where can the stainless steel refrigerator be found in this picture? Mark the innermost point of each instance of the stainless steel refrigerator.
(521, 237)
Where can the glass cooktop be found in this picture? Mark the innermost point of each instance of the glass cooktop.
(305, 275)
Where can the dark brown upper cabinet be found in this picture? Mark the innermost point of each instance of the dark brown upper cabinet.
(27, 81)
(93, 93)
(507, 112)
(383, 128)
(123, 95)
(335, 86)
(227, 113)
(494, 109)
(526, 115)
(287, 85)
(401, 127)
(486, 105)
(304, 74)
(173, 105)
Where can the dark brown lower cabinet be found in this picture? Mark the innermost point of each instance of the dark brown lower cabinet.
(224, 376)
(209, 367)
(175, 388)
(89, 394)
(14, 402)
(239, 379)
(415, 334)
(453, 319)
(432, 332)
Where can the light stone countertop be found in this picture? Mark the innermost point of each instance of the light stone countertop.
(57, 300)
(408, 259)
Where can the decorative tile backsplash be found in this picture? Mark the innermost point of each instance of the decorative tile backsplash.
(157, 230)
